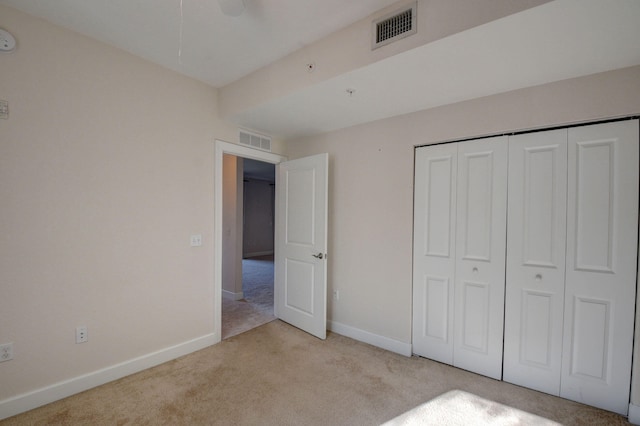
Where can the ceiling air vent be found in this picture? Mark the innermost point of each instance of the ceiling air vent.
(395, 26)
(255, 140)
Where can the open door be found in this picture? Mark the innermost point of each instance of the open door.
(300, 286)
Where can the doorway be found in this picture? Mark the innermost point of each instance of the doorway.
(248, 244)
(222, 148)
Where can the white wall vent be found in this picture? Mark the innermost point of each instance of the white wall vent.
(395, 26)
(255, 140)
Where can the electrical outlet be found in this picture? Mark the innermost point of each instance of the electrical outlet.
(82, 334)
(336, 295)
(6, 352)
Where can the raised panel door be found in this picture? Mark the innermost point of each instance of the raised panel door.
(300, 279)
(536, 244)
(602, 230)
(434, 251)
(480, 256)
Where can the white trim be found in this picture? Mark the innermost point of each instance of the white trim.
(39, 397)
(370, 338)
(634, 414)
(221, 148)
(226, 294)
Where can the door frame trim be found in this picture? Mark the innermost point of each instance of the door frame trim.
(221, 148)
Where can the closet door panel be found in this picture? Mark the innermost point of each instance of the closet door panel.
(480, 256)
(434, 251)
(602, 225)
(536, 242)
(474, 334)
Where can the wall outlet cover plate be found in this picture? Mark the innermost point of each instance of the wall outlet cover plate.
(7, 41)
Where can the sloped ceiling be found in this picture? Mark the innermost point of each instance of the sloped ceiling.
(195, 38)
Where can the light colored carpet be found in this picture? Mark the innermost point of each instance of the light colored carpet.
(278, 375)
(256, 308)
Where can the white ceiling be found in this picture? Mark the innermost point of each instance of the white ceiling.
(558, 40)
(215, 48)
(555, 41)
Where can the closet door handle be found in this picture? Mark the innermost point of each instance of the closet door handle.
(538, 277)
(475, 270)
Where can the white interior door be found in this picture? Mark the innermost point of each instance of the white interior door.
(602, 224)
(434, 251)
(300, 287)
(480, 256)
(536, 245)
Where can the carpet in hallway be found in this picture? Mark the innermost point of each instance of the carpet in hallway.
(256, 308)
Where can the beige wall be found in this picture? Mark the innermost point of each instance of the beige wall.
(371, 185)
(232, 202)
(258, 218)
(106, 169)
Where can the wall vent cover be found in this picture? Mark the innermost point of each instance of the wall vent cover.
(395, 26)
(254, 140)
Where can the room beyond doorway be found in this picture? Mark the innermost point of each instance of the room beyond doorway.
(222, 148)
(248, 244)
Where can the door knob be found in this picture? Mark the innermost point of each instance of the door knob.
(318, 256)
(538, 277)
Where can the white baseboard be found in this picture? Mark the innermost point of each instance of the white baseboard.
(634, 414)
(39, 397)
(258, 253)
(370, 338)
(231, 295)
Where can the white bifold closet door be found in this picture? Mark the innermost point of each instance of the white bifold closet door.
(571, 263)
(536, 240)
(459, 254)
(602, 244)
(434, 252)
